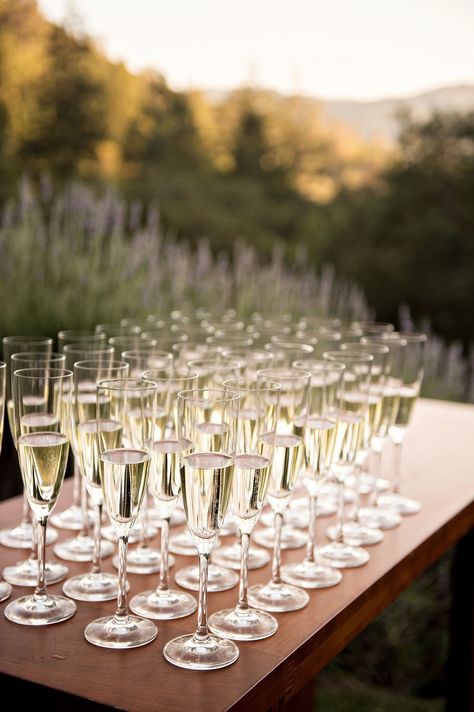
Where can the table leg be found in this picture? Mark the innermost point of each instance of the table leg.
(460, 668)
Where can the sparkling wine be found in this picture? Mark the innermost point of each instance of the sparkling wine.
(89, 434)
(124, 477)
(165, 474)
(319, 440)
(249, 489)
(347, 438)
(206, 483)
(287, 461)
(408, 396)
(43, 459)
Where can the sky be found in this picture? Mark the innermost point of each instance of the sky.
(354, 49)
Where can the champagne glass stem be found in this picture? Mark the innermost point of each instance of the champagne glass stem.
(311, 541)
(40, 590)
(397, 467)
(26, 511)
(85, 518)
(243, 604)
(34, 541)
(97, 528)
(144, 525)
(377, 460)
(202, 633)
(276, 562)
(340, 514)
(357, 472)
(77, 481)
(122, 608)
(164, 583)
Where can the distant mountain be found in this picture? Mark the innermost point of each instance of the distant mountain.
(378, 119)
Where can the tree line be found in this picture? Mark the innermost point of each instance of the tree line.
(248, 165)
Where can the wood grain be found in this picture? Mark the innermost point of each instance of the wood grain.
(437, 469)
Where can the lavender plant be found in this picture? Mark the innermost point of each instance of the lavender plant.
(74, 259)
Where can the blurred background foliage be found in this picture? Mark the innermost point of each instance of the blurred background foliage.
(248, 165)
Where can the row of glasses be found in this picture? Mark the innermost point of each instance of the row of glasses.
(25, 573)
(42, 404)
(19, 537)
(91, 420)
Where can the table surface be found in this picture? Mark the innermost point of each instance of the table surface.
(437, 469)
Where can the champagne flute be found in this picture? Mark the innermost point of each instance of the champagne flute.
(285, 352)
(20, 536)
(102, 353)
(165, 485)
(111, 330)
(259, 401)
(230, 556)
(185, 351)
(43, 446)
(5, 588)
(145, 559)
(312, 323)
(77, 516)
(236, 339)
(212, 373)
(25, 573)
(124, 474)
(145, 358)
(374, 514)
(164, 342)
(91, 420)
(355, 530)
(69, 337)
(287, 461)
(207, 459)
(412, 378)
(354, 396)
(320, 437)
(374, 328)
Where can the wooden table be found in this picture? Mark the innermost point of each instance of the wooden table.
(438, 462)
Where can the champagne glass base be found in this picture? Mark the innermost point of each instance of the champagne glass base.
(21, 537)
(209, 654)
(145, 560)
(166, 605)
(126, 632)
(326, 506)
(40, 610)
(25, 573)
(290, 538)
(403, 505)
(70, 518)
(331, 490)
(230, 556)
(93, 587)
(5, 591)
(379, 517)
(344, 556)
(311, 574)
(277, 597)
(81, 548)
(356, 534)
(183, 543)
(368, 482)
(218, 579)
(251, 624)
(135, 535)
(17, 538)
